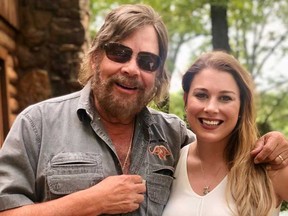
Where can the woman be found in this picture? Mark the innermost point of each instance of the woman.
(215, 175)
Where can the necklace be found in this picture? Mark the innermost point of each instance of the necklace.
(124, 166)
(207, 186)
(127, 157)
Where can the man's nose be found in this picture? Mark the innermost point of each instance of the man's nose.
(131, 67)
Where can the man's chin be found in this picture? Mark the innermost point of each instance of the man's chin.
(126, 107)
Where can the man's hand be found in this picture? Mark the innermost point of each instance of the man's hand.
(272, 148)
(114, 195)
(121, 194)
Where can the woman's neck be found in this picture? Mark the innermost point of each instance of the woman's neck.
(209, 152)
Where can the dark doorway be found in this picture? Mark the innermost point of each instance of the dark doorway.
(3, 104)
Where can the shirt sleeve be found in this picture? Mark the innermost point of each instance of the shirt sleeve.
(187, 135)
(18, 164)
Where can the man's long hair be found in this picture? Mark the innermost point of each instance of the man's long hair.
(119, 24)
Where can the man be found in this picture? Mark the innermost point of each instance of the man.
(101, 150)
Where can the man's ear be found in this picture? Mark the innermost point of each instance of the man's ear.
(93, 65)
(93, 60)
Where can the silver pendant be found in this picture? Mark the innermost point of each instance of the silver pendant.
(206, 190)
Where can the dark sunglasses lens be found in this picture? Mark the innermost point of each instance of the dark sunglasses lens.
(118, 52)
(148, 61)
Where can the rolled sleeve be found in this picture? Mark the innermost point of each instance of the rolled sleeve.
(17, 171)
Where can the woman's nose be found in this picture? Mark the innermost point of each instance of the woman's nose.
(211, 106)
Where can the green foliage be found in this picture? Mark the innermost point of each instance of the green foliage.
(253, 36)
(273, 112)
(177, 104)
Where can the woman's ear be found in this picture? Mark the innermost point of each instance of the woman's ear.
(185, 99)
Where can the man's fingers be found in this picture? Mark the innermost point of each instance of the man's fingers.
(265, 155)
(139, 198)
(268, 147)
(279, 162)
(137, 179)
(279, 159)
(258, 147)
(124, 193)
(140, 188)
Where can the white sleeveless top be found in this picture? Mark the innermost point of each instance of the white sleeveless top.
(185, 202)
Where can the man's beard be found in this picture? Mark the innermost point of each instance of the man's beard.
(120, 105)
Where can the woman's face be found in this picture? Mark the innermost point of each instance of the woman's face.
(213, 105)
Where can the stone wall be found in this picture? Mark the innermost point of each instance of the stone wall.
(42, 43)
(50, 46)
(8, 62)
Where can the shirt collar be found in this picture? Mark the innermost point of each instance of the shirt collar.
(85, 109)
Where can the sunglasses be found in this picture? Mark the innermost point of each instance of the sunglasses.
(119, 53)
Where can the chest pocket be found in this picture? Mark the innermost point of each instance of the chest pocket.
(69, 172)
(159, 182)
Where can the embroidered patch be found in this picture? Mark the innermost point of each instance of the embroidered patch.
(161, 151)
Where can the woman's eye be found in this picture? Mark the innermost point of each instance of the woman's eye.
(225, 98)
(201, 95)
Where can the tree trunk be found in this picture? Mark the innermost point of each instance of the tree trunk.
(220, 39)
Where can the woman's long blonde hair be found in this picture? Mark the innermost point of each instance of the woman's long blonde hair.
(248, 184)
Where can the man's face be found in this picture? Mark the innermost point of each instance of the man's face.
(123, 89)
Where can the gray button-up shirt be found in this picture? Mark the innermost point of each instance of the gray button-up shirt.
(59, 146)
